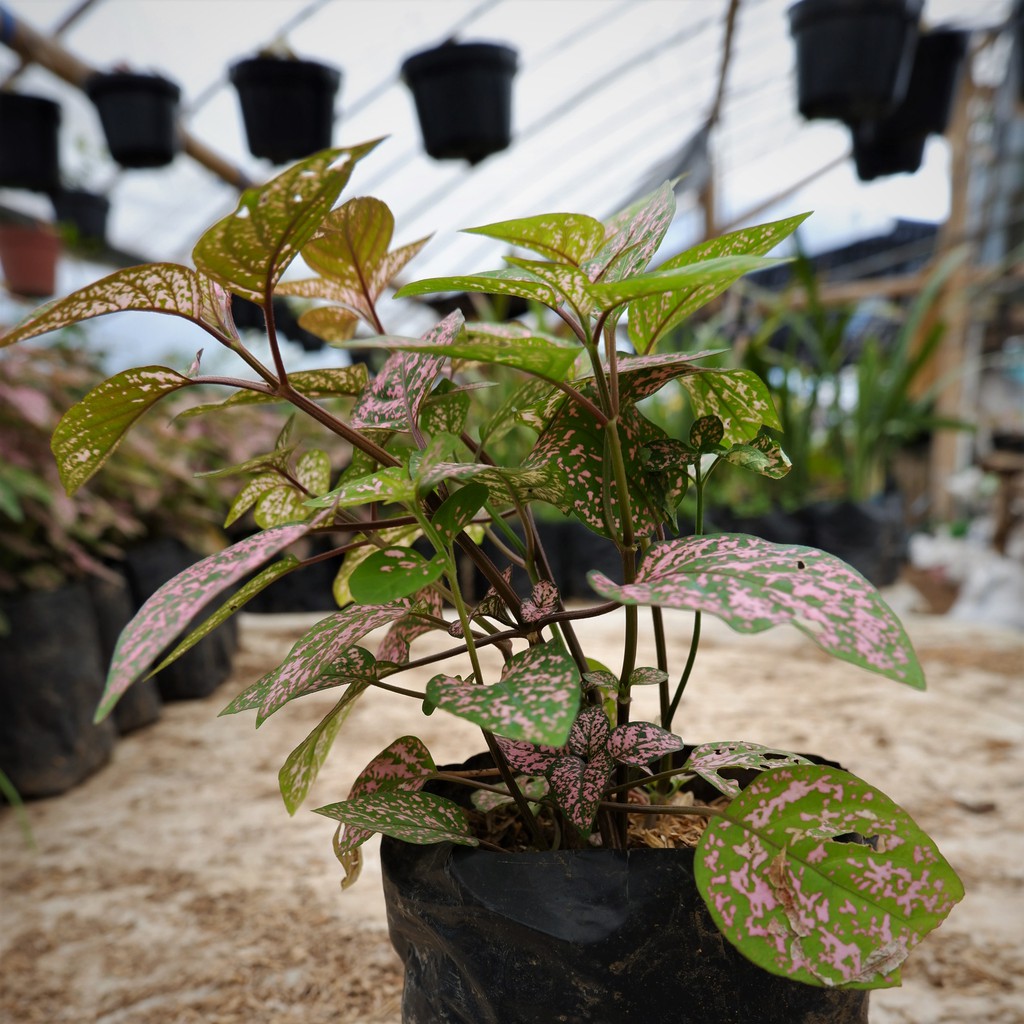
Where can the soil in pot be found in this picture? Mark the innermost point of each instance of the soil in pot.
(576, 936)
(287, 106)
(29, 142)
(853, 57)
(139, 117)
(51, 680)
(463, 95)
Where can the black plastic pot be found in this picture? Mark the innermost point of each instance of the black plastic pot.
(579, 937)
(895, 144)
(463, 95)
(29, 151)
(139, 117)
(84, 212)
(287, 106)
(51, 680)
(853, 57)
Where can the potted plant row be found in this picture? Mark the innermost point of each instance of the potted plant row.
(807, 887)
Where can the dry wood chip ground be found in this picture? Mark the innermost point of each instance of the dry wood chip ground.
(172, 887)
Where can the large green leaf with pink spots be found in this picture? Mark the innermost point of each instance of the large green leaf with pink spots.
(753, 584)
(567, 238)
(413, 817)
(816, 876)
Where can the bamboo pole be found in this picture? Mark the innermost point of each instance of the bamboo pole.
(34, 47)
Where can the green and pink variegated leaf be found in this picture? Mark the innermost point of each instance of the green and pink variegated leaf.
(639, 743)
(403, 764)
(413, 817)
(391, 484)
(753, 584)
(250, 494)
(286, 502)
(398, 536)
(650, 319)
(681, 290)
(457, 511)
(589, 735)
(568, 282)
(578, 787)
(816, 876)
(445, 411)
(567, 238)
(739, 398)
(394, 398)
(249, 250)
(177, 602)
(535, 482)
(395, 645)
(91, 429)
(153, 288)
(763, 455)
(533, 787)
(574, 443)
(326, 656)
(633, 236)
(303, 764)
(392, 574)
(647, 677)
(543, 601)
(529, 758)
(536, 699)
(332, 323)
(708, 760)
(493, 282)
(239, 598)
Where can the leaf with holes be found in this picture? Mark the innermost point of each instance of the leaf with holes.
(392, 574)
(536, 699)
(326, 656)
(154, 288)
(651, 318)
(818, 877)
(419, 818)
(249, 250)
(567, 238)
(303, 764)
(632, 237)
(176, 603)
(394, 398)
(753, 584)
(708, 760)
(91, 429)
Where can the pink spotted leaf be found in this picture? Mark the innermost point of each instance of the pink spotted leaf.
(568, 238)
(393, 573)
(533, 787)
(154, 288)
(174, 605)
(753, 584)
(393, 399)
(395, 646)
(816, 876)
(535, 700)
(543, 601)
(569, 284)
(529, 758)
(578, 787)
(709, 759)
(419, 818)
(633, 236)
(639, 743)
(494, 282)
(249, 250)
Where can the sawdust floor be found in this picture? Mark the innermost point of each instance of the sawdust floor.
(172, 887)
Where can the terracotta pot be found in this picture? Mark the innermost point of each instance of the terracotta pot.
(853, 57)
(28, 255)
(287, 106)
(138, 114)
(463, 95)
(28, 142)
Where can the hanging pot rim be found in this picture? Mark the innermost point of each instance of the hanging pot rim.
(106, 82)
(245, 71)
(425, 62)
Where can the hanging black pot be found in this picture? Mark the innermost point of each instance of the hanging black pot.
(853, 57)
(463, 95)
(895, 144)
(84, 212)
(29, 142)
(139, 117)
(51, 679)
(576, 936)
(287, 106)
